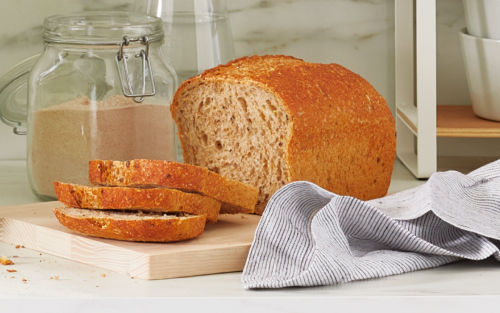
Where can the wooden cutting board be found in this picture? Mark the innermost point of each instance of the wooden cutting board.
(223, 247)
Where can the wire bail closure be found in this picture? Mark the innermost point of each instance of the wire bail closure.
(144, 54)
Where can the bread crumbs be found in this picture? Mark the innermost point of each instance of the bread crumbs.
(5, 261)
(11, 271)
(103, 275)
(18, 246)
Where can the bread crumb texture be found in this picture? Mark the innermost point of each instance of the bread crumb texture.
(124, 198)
(235, 196)
(271, 120)
(132, 226)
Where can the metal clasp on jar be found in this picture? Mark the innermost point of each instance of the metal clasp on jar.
(144, 54)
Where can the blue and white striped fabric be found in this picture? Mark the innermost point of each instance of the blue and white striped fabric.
(310, 237)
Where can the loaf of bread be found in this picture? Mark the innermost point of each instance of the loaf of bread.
(132, 226)
(271, 120)
(161, 200)
(236, 197)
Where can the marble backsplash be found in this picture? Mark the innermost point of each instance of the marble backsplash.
(358, 34)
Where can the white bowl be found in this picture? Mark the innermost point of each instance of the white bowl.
(483, 18)
(482, 65)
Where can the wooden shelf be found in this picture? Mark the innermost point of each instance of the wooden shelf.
(460, 121)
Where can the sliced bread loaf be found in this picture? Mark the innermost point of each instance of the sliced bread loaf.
(270, 120)
(153, 200)
(131, 226)
(236, 197)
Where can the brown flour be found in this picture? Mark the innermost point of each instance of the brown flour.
(65, 137)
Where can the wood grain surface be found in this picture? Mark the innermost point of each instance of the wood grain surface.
(223, 247)
(460, 121)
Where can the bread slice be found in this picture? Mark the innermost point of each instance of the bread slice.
(270, 120)
(236, 197)
(131, 226)
(153, 200)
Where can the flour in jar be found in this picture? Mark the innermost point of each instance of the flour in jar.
(65, 137)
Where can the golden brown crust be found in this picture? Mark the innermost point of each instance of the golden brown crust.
(118, 198)
(189, 178)
(343, 135)
(148, 230)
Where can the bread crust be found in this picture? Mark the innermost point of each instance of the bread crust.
(342, 133)
(150, 230)
(119, 198)
(236, 197)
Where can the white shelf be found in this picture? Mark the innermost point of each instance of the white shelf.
(416, 85)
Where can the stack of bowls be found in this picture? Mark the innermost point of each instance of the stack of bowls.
(481, 51)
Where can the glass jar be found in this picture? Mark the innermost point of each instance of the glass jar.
(101, 89)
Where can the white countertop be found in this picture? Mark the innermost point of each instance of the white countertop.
(457, 285)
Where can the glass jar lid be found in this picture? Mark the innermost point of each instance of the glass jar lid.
(101, 28)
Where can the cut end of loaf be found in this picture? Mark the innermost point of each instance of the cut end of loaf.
(237, 130)
(271, 120)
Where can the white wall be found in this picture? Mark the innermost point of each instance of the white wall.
(356, 34)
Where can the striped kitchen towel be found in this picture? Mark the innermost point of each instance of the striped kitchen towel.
(310, 237)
